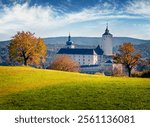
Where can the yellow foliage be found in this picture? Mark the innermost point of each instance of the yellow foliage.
(27, 49)
(127, 56)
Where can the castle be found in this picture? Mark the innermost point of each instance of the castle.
(93, 60)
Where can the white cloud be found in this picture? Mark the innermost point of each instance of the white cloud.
(48, 21)
(23, 17)
(139, 7)
(41, 20)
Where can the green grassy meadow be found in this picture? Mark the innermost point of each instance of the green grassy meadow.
(30, 88)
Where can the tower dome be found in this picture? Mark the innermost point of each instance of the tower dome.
(107, 31)
(69, 43)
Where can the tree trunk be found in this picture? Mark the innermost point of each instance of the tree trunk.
(25, 61)
(129, 72)
(25, 58)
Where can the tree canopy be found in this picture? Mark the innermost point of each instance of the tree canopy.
(64, 63)
(26, 49)
(127, 56)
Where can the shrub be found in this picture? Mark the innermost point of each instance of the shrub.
(144, 74)
(137, 74)
(64, 63)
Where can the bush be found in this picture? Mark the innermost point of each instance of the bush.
(144, 74)
(64, 63)
(137, 74)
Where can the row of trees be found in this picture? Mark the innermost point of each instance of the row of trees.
(27, 49)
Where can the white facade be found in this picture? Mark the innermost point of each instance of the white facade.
(84, 59)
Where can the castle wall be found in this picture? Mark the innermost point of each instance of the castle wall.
(84, 59)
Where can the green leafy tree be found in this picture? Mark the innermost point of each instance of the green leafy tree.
(127, 56)
(27, 49)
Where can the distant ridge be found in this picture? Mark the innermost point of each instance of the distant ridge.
(88, 40)
(93, 40)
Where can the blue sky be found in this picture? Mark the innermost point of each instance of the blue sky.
(51, 18)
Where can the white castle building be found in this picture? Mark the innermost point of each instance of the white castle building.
(94, 60)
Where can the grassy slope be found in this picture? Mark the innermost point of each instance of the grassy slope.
(29, 88)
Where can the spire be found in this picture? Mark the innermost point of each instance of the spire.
(69, 42)
(107, 25)
(107, 31)
(69, 37)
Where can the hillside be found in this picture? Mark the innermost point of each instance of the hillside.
(93, 40)
(88, 40)
(30, 88)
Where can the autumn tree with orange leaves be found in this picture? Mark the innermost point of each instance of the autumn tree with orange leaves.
(127, 56)
(26, 49)
(64, 63)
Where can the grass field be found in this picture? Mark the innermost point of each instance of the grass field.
(29, 88)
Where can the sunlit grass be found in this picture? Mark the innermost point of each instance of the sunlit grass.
(30, 88)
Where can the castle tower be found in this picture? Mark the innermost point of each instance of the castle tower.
(107, 42)
(69, 43)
